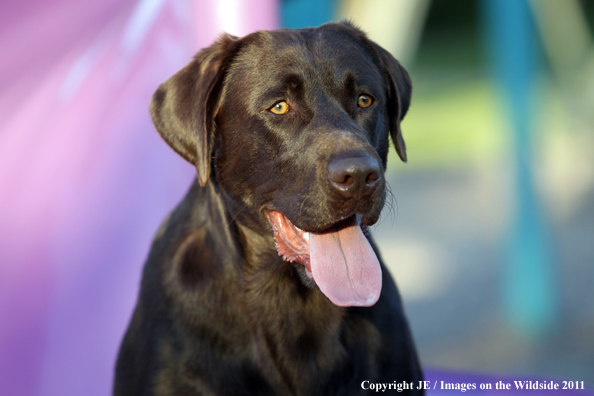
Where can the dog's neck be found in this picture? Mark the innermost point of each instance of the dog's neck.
(283, 309)
(276, 302)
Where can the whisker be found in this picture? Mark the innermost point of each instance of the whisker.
(392, 206)
(301, 206)
(238, 212)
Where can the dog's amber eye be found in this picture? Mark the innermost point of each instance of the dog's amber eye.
(281, 107)
(364, 101)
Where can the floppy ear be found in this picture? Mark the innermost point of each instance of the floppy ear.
(184, 107)
(399, 96)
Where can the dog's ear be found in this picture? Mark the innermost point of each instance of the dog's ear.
(184, 107)
(400, 90)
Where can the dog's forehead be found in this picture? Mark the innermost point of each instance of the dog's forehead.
(309, 52)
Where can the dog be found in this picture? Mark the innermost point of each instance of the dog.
(264, 280)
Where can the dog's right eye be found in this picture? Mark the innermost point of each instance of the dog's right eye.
(364, 101)
(281, 107)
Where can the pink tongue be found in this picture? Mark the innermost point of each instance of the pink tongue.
(345, 267)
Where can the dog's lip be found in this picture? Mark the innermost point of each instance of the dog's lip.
(292, 242)
(340, 222)
(361, 219)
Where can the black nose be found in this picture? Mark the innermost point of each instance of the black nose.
(354, 177)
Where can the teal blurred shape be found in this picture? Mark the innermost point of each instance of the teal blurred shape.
(529, 289)
(297, 14)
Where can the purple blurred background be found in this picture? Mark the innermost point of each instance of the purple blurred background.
(84, 178)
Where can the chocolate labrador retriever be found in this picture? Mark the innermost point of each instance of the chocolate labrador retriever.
(264, 280)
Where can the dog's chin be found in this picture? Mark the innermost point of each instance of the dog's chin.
(339, 259)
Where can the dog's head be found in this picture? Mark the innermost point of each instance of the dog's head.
(294, 125)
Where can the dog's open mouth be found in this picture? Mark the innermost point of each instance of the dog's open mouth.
(339, 259)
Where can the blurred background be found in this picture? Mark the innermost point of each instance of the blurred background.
(489, 231)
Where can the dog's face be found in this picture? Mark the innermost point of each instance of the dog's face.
(294, 127)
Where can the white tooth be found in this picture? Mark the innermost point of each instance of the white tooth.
(306, 235)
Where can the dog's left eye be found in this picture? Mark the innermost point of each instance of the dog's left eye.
(281, 107)
(364, 101)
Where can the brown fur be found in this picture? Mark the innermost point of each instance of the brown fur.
(219, 312)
